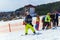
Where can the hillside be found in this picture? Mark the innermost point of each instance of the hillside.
(44, 8)
(50, 7)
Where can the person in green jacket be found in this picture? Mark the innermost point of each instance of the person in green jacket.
(48, 21)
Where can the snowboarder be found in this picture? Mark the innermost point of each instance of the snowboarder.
(28, 23)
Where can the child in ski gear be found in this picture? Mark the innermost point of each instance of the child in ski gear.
(37, 22)
(28, 23)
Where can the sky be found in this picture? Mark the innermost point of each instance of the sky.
(12, 5)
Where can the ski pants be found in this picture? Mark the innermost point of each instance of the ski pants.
(28, 26)
(55, 22)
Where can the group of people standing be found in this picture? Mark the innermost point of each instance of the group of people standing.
(50, 18)
(46, 20)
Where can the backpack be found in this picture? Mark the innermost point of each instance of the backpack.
(43, 19)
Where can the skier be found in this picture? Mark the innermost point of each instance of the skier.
(28, 23)
(48, 21)
(37, 22)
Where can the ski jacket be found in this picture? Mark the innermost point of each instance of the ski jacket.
(47, 18)
(28, 19)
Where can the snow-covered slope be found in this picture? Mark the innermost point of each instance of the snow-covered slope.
(51, 34)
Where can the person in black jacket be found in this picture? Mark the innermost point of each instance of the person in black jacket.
(28, 23)
(53, 18)
(56, 18)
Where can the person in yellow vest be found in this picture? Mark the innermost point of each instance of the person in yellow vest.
(37, 22)
(28, 23)
(48, 21)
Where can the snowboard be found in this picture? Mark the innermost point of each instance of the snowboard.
(31, 34)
